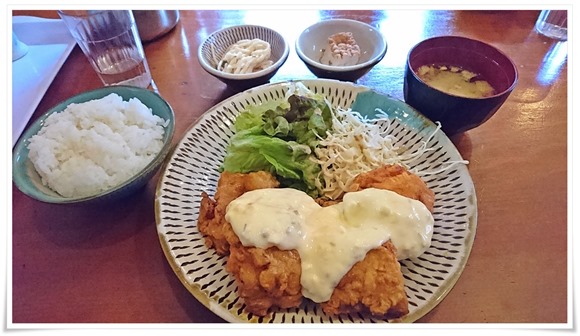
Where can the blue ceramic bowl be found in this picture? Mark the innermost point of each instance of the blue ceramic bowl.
(28, 180)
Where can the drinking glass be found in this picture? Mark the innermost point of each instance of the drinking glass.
(110, 40)
(553, 23)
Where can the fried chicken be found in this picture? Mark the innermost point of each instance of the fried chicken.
(212, 224)
(270, 277)
(374, 285)
(266, 277)
(398, 179)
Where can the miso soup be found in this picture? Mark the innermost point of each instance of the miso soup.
(455, 80)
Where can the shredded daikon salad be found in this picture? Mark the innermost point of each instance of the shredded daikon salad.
(245, 56)
(358, 145)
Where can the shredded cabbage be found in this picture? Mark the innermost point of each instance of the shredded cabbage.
(357, 145)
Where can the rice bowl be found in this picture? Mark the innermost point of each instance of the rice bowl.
(93, 146)
(111, 159)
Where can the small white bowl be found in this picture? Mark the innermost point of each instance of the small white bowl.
(216, 45)
(315, 38)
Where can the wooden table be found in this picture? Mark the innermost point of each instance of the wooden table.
(85, 264)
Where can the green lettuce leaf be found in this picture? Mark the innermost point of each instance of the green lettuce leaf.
(275, 124)
(310, 117)
(279, 137)
(250, 152)
(253, 115)
(248, 119)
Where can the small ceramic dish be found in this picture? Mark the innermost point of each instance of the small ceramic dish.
(314, 39)
(27, 179)
(213, 49)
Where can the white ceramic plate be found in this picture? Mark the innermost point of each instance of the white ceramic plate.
(193, 168)
(49, 44)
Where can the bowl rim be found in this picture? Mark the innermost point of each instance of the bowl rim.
(457, 37)
(253, 75)
(372, 61)
(17, 155)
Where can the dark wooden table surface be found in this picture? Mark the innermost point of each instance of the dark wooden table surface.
(89, 264)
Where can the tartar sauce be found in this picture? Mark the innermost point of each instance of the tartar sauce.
(330, 240)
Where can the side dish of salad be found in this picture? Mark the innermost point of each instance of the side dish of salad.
(280, 138)
(311, 146)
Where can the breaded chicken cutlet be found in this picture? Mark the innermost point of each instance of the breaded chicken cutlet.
(218, 233)
(270, 277)
(398, 179)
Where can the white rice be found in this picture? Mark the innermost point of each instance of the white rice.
(94, 146)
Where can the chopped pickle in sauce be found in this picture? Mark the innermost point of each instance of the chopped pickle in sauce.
(455, 80)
